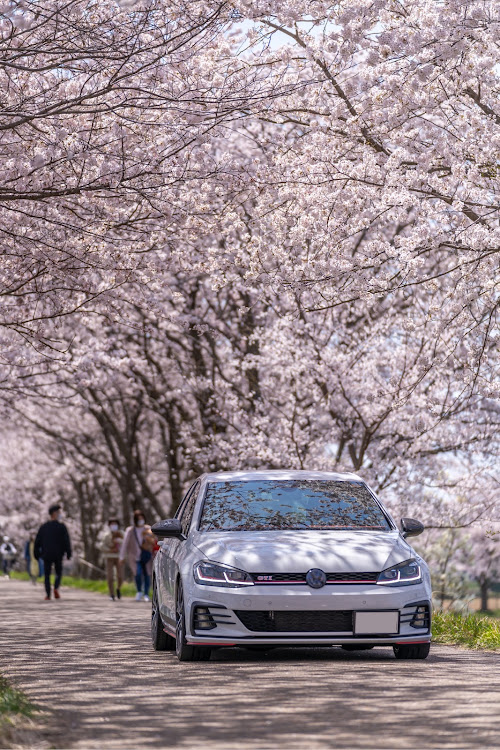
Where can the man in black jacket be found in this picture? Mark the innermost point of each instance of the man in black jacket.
(51, 543)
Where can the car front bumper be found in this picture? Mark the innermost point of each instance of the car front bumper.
(224, 610)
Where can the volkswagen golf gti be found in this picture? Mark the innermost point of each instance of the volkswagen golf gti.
(286, 558)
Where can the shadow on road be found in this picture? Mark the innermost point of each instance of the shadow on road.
(298, 654)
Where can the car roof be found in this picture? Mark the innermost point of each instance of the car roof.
(247, 476)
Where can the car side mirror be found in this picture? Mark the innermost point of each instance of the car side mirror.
(170, 528)
(411, 527)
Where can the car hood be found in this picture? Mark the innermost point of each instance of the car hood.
(299, 551)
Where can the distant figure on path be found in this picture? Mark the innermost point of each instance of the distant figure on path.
(8, 552)
(110, 548)
(51, 544)
(137, 549)
(33, 566)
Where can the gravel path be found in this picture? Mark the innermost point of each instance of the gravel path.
(89, 661)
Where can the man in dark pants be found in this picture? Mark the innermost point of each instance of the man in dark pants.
(51, 544)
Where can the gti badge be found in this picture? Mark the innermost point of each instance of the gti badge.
(316, 578)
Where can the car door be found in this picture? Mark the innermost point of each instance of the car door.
(164, 568)
(174, 549)
(182, 546)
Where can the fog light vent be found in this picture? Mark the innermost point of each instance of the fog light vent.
(421, 618)
(202, 619)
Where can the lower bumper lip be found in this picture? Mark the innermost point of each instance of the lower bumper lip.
(299, 640)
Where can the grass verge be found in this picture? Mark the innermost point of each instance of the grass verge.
(13, 701)
(15, 711)
(472, 630)
(98, 587)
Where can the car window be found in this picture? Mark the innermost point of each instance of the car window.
(180, 510)
(267, 505)
(187, 514)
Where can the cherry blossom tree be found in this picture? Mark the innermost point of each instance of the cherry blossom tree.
(383, 175)
(105, 110)
(225, 379)
(279, 229)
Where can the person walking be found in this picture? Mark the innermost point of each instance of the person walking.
(8, 552)
(33, 566)
(110, 548)
(137, 549)
(51, 544)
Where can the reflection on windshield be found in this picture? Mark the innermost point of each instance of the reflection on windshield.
(270, 505)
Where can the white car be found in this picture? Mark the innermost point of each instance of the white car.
(287, 558)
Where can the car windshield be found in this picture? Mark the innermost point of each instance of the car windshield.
(270, 505)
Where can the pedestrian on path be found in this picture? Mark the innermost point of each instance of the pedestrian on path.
(51, 544)
(137, 550)
(110, 548)
(33, 566)
(8, 552)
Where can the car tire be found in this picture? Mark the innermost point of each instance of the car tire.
(183, 650)
(412, 651)
(355, 647)
(161, 641)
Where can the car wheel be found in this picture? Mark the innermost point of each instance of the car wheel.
(356, 647)
(183, 650)
(161, 640)
(412, 651)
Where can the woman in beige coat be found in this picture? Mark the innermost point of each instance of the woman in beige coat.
(110, 548)
(137, 550)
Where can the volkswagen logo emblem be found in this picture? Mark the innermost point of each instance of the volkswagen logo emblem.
(316, 578)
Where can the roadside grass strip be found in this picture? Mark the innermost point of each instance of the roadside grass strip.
(13, 702)
(16, 714)
(96, 586)
(472, 630)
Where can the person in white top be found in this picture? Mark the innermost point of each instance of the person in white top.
(137, 550)
(8, 552)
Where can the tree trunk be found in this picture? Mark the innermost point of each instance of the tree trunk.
(484, 585)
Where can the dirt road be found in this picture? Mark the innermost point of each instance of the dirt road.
(89, 660)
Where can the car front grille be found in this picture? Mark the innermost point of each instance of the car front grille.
(263, 579)
(268, 621)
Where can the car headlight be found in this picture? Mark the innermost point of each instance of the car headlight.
(214, 574)
(404, 574)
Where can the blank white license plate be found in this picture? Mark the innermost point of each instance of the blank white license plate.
(376, 623)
